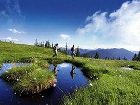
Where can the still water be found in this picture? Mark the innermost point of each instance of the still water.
(68, 78)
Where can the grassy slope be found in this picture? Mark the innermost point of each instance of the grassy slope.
(30, 79)
(114, 86)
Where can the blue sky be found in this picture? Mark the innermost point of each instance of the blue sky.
(85, 23)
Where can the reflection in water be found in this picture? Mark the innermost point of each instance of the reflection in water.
(55, 69)
(72, 73)
(64, 86)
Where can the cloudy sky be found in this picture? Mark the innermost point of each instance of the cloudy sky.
(86, 23)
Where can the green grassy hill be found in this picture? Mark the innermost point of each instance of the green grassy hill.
(110, 82)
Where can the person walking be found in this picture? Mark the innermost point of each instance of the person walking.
(72, 51)
(55, 48)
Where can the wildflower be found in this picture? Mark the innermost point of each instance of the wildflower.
(90, 84)
(17, 79)
(54, 85)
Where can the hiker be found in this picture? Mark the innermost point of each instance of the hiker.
(55, 48)
(72, 51)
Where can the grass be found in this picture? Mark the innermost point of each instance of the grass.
(114, 86)
(22, 77)
(17, 73)
(35, 82)
(109, 83)
(30, 79)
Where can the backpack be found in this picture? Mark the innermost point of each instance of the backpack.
(54, 47)
(72, 49)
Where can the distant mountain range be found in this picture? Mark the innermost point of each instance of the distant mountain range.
(108, 53)
(136, 52)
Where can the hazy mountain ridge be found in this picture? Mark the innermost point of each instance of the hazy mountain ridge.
(111, 53)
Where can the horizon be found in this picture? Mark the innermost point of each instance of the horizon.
(69, 47)
(87, 24)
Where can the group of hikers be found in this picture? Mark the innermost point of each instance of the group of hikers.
(55, 48)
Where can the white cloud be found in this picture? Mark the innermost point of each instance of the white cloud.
(64, 36)
(9, 39)
(119, 29)
(15, 31)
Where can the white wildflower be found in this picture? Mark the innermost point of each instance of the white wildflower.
(90, 84)
(54, 85)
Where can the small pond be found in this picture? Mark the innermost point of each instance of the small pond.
(68, 77)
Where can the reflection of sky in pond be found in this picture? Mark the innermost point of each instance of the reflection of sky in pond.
(68, 77)
(64, 65)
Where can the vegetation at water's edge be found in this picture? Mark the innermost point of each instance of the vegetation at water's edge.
(30, 79)
(35, 82)
(114, 86)
(110, 83)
